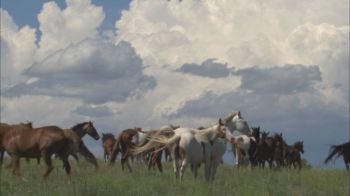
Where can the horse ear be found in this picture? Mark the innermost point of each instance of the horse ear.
(220, 122)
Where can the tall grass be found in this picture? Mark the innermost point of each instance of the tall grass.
(229, 181)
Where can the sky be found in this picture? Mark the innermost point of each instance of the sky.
(124, 64)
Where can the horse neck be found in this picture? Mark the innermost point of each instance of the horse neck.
(208, 133)
(79, 130)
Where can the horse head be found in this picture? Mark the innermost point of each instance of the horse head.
(235, 122)
(90, 130)
(221, 129)
(299, 146)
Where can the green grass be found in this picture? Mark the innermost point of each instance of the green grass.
(229, 181)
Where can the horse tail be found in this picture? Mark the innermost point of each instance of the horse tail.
(115, 149)
(335, 149)
(158, 142)
(87, 154)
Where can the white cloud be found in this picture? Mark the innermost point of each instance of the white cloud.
(59, 28)
(242, 33)
(17, 49)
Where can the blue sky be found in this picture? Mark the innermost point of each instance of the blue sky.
(285, 66)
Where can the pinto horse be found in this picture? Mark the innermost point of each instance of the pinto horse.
(340, 150)
(27, 142)
(108, 141)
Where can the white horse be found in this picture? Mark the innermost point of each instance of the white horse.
(192, 146)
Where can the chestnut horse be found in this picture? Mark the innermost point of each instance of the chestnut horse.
(124, 143)
(108, 141)
(340, 150)
(27, 142)
(4, 127)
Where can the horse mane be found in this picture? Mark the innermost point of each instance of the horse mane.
(78, 126)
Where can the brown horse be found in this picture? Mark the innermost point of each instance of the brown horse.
(340, 150)
(293, 156)
(124, 143)
(108, 141)
(4, 127)
(26, 142)
(280, 146)
(155, 154)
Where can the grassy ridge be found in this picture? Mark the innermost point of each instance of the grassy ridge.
(229, 181)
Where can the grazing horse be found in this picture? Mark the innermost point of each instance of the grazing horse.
(124, 143)
(26, 142)
(293, 154)
(191, 146)
(340, 150)
(108, 141)
(4, 127)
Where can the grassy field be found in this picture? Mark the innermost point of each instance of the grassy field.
(229, 181)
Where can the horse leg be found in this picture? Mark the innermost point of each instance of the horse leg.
(122, 161)
(194, 170)
(182, 168)
(128, 163)
(66, 166)
(214, 167)
(15, 165)
(2, 152)
(48, 161)
(346, 163)
(159, 161)
(237, 156)
(175, 161)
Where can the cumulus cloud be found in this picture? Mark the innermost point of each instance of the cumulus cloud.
(17, 49)
(208, 68)
(92, 70)
(59, 28)
(242, 33)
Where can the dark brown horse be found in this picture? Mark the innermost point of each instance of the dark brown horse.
(124, 144)
(22, 141)
(265, 150)
(293, 156)
(340, 150)
(108, 141)
(80, 130)
(280, 146)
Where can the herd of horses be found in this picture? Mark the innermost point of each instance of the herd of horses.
(183, 146)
